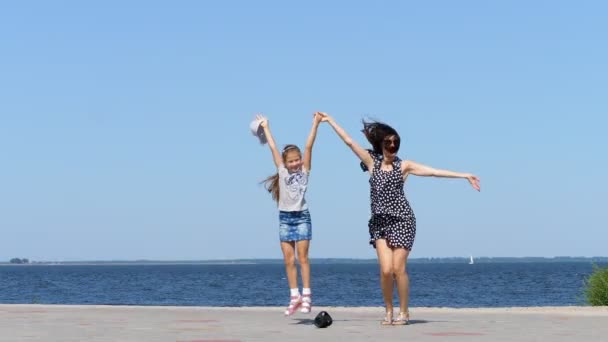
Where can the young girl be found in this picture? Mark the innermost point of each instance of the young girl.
(392, 226)
(288, 187)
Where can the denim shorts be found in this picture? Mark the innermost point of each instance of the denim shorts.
(295, 225)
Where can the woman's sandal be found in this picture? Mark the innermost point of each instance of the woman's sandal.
(388, 319)
(294, 304)
(402, 319)
(306, 303)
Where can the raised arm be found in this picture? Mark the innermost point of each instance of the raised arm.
(276, 156)
(311, 141)
(362, 153)
(411, 167)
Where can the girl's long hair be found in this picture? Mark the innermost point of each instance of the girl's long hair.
(272, 183)
(376, 132)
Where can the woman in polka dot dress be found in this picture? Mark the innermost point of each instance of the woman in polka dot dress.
(392, 226)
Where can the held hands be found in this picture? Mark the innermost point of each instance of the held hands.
(316, 118)
(474, 180)
(324, 117)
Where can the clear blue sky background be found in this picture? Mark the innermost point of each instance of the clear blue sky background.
(124, 125)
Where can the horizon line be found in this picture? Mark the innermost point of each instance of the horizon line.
(280, 259)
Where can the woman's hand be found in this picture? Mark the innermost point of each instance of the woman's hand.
(324, 116)
(317, 118)
(474, 180)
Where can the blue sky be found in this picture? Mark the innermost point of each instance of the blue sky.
(124, 125)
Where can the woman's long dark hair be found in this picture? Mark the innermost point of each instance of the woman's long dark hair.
(376, 132)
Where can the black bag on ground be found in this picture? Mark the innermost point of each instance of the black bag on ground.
(323, 320)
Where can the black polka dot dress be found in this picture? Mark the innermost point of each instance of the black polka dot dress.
(392, 217)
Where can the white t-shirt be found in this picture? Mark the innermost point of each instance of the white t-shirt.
(292, 188)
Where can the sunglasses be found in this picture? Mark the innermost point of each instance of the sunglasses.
(391, 144)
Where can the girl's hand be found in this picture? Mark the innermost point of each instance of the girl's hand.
(324, 116)
(263, 120)
(474, 180)
(316, 118)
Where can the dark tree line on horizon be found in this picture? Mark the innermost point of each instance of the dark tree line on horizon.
(19, 261)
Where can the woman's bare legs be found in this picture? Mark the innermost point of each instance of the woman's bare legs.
(385, 261)
(400, 256)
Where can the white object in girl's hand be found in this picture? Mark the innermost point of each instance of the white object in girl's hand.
(258, 131)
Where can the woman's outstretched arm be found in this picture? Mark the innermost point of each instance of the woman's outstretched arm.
(417, 169)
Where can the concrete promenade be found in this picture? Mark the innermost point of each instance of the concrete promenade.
(204, 324)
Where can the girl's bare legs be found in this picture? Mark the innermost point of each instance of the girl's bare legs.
(289, 256)
(385, 261)
(302, 247)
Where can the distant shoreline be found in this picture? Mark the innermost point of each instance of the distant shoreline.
(454, 260)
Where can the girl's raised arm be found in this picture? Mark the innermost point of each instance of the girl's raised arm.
(276, 156)
(311, 141)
